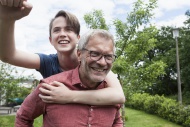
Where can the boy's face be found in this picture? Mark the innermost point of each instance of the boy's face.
(63, 38)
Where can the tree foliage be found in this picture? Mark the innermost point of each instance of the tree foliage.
(166, 50)
(10, 83)
(96, 20)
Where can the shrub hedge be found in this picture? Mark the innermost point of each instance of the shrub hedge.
(159, 105)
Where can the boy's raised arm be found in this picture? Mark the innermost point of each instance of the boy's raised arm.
(9, 13)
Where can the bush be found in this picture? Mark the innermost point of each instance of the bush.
(164, 107)
(152, 104)
(137, 101)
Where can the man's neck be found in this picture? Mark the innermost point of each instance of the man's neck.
(89, 84)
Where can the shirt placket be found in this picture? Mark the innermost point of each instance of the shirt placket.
(90, 116)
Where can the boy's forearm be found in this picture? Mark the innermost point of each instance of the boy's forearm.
(106, 96)
(6, 39)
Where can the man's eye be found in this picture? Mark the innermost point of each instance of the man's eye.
(94, 54)
(109, 57)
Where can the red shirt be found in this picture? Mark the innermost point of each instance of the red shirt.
(67, 115)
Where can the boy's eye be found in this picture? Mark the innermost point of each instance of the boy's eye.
(56, 30)
(69, 28)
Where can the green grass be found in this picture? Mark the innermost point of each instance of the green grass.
(135, 119)
(38, 121)
(8, 121)
(141, 119)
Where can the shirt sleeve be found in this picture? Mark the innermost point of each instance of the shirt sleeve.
(31, 108)
(49, 65)
(118, 120)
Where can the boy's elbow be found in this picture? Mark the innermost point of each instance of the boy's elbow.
(5, 60)
(122, 99)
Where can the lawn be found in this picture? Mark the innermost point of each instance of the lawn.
(8, 121)
(141, 119)
(135, 119)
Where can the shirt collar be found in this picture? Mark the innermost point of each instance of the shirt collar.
(75, 76)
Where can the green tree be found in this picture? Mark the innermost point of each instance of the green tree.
(95, 19)
(165, 51)
(135, 46)
(185, 53)
(10, 83)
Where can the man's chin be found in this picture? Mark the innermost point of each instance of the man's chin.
(98, 78)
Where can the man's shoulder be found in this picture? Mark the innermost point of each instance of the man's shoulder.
(60, 77)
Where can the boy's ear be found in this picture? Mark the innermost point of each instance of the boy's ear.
(78, 36)
(50, 40)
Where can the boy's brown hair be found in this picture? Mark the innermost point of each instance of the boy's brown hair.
(71, 20)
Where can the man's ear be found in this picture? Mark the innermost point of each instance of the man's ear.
(79, 54)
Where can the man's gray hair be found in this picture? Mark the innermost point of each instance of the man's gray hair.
(91, 33)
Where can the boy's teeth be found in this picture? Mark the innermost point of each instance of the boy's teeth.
(63, 42)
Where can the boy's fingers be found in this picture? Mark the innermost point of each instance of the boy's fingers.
(45, 91)
(46, 86)
(10, 3)
(3, 2)
(27, 7)
(55, 83)
(20, 3)
(16, 3)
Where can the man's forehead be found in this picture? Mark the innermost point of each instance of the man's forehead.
(99, 40)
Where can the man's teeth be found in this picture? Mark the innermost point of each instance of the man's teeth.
(99, 70)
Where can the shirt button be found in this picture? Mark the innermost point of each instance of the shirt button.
(89, 125)
(91, 109)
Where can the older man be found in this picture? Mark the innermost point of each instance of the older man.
(96, 53)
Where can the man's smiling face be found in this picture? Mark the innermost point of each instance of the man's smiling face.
(95, 71)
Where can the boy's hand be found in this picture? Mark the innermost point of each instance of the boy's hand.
(12, 3)
(14, 9)
(56, 92)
